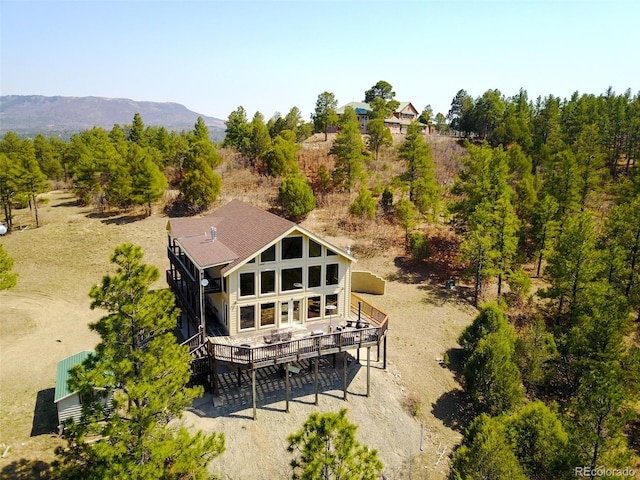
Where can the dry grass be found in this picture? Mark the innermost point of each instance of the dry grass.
(45, 318)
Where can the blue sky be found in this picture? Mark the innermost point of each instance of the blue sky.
(269, 56)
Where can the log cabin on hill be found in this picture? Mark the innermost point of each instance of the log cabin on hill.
(256, 290)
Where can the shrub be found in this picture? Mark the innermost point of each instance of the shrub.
(419, 246)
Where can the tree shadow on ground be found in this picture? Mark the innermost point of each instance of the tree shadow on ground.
(117, 217)
(456, 362)
(45, 415)
(24, 469)
(454, 410)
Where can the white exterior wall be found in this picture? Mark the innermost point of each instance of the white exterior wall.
(69, 407)
(279, 297)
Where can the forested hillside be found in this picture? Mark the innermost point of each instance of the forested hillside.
(548, 190)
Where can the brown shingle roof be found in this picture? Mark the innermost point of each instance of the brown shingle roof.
(241, 230)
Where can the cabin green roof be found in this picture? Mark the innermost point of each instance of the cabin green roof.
(63, 374)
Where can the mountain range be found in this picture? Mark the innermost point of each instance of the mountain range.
(63, 116)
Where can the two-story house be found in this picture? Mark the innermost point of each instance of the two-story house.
(402, 117)
(258, 290)
(243, 269)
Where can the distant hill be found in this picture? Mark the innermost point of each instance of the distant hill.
(63, 116)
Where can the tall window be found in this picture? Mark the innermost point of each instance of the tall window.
(267, 314)
(247, 284)
(331, 299)
(315, 249)
(291, 248)
(289, 277)
(247, 317)
(267, 282)
(332, 274)
(269, 255)
(315, 276)
(313, 308)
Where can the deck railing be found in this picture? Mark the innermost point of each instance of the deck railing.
(309, 346)
(295, 349)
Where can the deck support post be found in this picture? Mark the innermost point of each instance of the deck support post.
(315, 378)
(213, 365)
(239, 372)
(378, 352)
(358, 354)
(286, 386)
(368, 370)
(253, 393)
(384, 360)
(344, 378)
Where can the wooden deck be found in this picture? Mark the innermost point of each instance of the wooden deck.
(315, 339)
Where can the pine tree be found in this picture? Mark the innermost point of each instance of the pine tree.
(325, 115)
(348, 149)
(326, 448)
(486, 453)
(424, 191)
(295, 195)
(7, 278)
(281, 158)
(379, 135)
(491, 375)
(139, 361)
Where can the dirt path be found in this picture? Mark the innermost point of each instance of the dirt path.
(45, 318)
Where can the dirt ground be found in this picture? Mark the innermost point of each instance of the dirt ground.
(45, 317)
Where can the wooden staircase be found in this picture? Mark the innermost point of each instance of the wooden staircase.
(200, 358)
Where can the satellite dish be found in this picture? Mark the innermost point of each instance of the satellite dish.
(204, 282)
(3, 229)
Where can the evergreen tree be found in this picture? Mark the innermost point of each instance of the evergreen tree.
(7, 278)
(200, 186)
(139, 361)
(490, 320)
(201, 131)
(326, 447)
(536, 351)
(545, 228)
(281, 159)
(118, 189)
(364, 205)
(491, 375)
(136, 132)
(325, 115)
(621, 244)
(379, 135)
(424, 190)
(486, 453)
(506, 225)
(30, 181)
(259, 139)
(441, 124)
(408, 216)
(539, 441)
(348, 149)
(238, 131)
(573, 265)
(148, 182)
(478, 247)
(8, 188)
(295, 196)
(599, 411)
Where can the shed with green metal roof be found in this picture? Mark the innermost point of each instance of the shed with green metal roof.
(68, 403)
